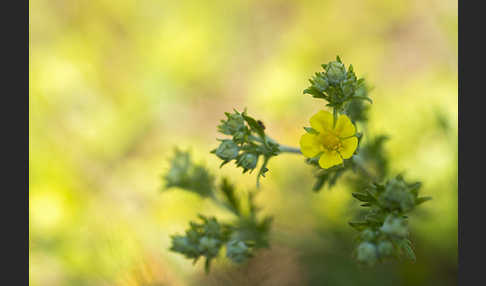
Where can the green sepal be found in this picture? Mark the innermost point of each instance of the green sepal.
(311, 130)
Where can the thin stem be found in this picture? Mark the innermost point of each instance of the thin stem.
(360, 164)
(283, 148)
(262, 171)
(224, 205)
(334, 117)
(289, 149)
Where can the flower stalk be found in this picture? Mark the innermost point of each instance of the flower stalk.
(332, 146)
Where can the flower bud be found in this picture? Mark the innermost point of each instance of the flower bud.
(209, 245)
(233, 124)
(248, 161)
(366, 253)
(227, 150)
(385, 248)
(396, 226)
(368, 234)
(335, 72)
(397, 196)
(183, 245)
(237, 251)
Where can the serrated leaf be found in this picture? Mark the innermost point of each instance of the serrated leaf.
(363, 197)
(363, 98)
(415, 187)
(254, 125)
(314, 92)
(422, 200)
(409, 251)
(359, 225)
(228, 191)
(321, 180)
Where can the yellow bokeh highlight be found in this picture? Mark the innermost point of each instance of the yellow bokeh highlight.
(114, 86)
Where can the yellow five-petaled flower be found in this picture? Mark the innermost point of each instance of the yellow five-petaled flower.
(334, 143)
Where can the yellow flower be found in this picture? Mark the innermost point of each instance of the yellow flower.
(333, 143)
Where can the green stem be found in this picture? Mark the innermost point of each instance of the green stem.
(283, 148)
(288, 149)
(223, 204)
(360, 164)
(334, 117)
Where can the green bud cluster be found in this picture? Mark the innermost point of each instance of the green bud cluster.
(204, 240)
(238, 251)
(395, 226)
(385, 225)
(247, 144)
(337, 85)
(227, 150)
(241, 236)
(184, 174)
(383, 229)
(367, 253)
(235, 126)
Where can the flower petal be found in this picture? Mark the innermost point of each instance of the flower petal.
(349, 145)
(329, 159)
(309, 145)
(344, 127)
(322, 121)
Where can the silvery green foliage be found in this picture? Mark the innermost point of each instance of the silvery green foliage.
(238, 251)
(385, 225)
(202, 239)
(383, 229)
(241, 236)
(188, 176)
(337, 85)
(247, 144)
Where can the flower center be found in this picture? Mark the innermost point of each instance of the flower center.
(331, 142)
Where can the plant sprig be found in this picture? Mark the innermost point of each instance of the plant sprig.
(248, 143)
(241, 237)
(387, 200)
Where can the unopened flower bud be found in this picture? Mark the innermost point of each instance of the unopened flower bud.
(209, 245)
(366, 253)
(237, 251)
(368, 234)
(227, 150)
(335, 72)
(385, 248)
(397, 196)
(248, 161)
(233, 124)
(396, 226)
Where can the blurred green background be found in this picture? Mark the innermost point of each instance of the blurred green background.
(114, 86)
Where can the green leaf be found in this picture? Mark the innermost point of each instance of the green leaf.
(422, 200)
(406, 246)
(254, 125)
(311, 130)
(207, 265)
(363, 98)
(314, 92)
(228, 191)
(363, 197)
(359, 225)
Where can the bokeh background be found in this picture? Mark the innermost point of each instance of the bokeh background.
(114, 86)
